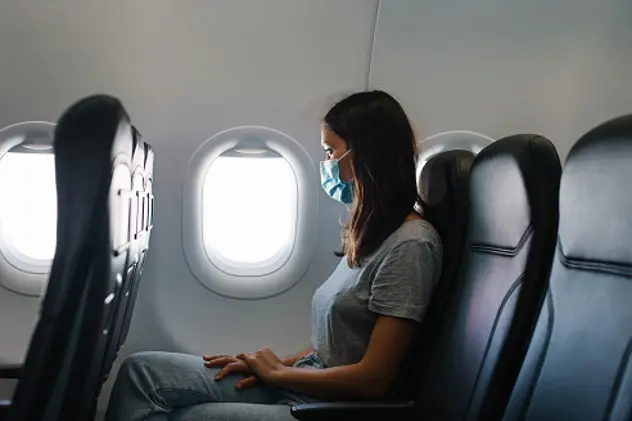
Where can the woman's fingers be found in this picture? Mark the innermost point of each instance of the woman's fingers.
(220, 361)
(244, 356)
(247, 383)
(213, 357)
(235, 367)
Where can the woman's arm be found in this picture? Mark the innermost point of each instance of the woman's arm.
(370, 378)
(290, 360)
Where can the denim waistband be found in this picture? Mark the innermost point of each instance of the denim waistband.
(310, 360)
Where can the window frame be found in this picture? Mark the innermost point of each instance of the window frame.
(19, 273)
(252, 281)
(440, 142)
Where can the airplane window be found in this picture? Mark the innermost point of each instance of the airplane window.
(28, 215)
(249, 209)
(249, 206)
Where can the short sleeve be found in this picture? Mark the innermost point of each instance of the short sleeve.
(404, 281)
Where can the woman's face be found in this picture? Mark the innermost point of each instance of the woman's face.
(335, 148)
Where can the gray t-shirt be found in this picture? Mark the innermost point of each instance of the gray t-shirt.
(396, 280)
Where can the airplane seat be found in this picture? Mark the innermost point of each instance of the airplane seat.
(138, 220)
(443, 186)
(93, 149)
(579, 364)
(445, 189)
(512, 223)
(486, 323)
(147, 217)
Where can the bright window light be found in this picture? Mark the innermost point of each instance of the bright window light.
(249, 208)
(28, 204)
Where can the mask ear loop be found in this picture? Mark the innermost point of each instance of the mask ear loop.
(335, 160)
(343, 155)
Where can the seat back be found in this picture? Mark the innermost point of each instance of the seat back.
(443, 185)
(506, 258)
(142, 214)
(445, 189)
(93, 151)
(148, 207)
(140, 202)
(579, 363)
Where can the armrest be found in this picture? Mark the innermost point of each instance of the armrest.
(10, 371)
(5, 409)
(352, 411)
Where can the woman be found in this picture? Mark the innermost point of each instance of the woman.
(364, 317)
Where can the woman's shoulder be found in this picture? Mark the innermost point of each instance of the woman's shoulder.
(414, 241)
(418, 230)
(412, 234)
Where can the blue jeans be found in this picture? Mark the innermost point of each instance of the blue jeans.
(161, 386)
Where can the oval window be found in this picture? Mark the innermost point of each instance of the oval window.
(248, 210)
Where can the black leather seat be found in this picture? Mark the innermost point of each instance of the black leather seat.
(147, 204)
(579, 364)
(512, 225)
(508, 250)
(93, 163)
(444, 187)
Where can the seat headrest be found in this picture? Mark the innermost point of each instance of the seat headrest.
(93, 114)
(596, 198)
(505, 191)
(441, 171)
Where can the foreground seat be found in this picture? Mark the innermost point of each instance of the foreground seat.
(141, 218)
(146, 223)
(579, 363)
(93, 156)
(508, 250)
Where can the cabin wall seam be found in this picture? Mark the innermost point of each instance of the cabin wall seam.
(376, 14)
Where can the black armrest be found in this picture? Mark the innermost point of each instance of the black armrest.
(5, 409)
(10, 371)
(352, 411)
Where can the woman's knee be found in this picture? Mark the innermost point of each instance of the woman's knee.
(166, 370)
(140, 360)
(146, 367)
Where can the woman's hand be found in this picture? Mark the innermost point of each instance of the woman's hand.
(231, 365)
(264, 364)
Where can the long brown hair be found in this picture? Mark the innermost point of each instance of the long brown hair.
(383, 149)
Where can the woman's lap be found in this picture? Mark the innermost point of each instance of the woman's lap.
(152, 384)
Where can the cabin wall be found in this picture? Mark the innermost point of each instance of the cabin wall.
(497, 67)
(189, 69)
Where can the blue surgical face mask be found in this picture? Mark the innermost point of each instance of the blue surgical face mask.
(337, 189)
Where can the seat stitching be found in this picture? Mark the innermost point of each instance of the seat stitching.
(501, 250)
(593, 265)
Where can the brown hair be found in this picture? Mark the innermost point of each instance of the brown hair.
(383, 153)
